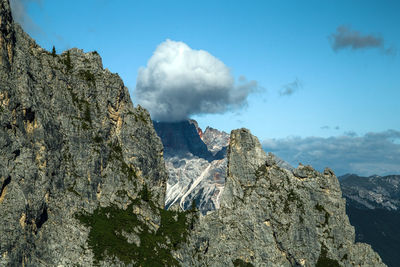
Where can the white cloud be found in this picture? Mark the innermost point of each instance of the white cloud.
(179, 81)
(373, 153)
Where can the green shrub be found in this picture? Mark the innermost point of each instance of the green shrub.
(53, 52)
(324, 261)
(67, 62)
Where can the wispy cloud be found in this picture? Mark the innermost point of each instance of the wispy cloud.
(291, 88)
(345, 37)
(20, 15)
(373, 153)
(326, 127)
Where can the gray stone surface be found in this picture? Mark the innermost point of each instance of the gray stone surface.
(191, 175)
(216, 141)
(79, 164)
(70, 139)
(270, 216)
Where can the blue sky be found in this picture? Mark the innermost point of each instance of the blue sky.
(279, 44)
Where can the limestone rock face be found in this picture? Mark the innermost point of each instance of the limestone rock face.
(197, 164)
(182, 138)
(7, 36)
(71, 143)
(216, 141)
(83, 180)
(270, 216)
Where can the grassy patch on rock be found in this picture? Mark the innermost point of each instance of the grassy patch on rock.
(106, 238)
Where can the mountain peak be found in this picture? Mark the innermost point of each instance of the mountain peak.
(271, 217)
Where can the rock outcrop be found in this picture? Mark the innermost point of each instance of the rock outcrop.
(216, 142)
(82, 181)
(196, 163)
(82, 175)
(270, 216)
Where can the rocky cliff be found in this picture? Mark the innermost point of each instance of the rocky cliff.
(82, 181)
(270, 216)
(197, 172)
(82, 175)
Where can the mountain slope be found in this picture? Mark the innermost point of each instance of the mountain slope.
(196, 163)
(372, 192)
(270, 216)
(373, 207)
(82, 180)
(82, 175)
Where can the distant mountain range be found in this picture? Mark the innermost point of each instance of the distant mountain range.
(373, 207)
(196, 163)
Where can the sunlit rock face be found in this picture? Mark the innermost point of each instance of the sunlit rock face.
(196, 163)
(272, 216)
(72, 143)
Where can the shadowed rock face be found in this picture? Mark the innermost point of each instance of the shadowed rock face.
(182, 138)
(374, 192)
